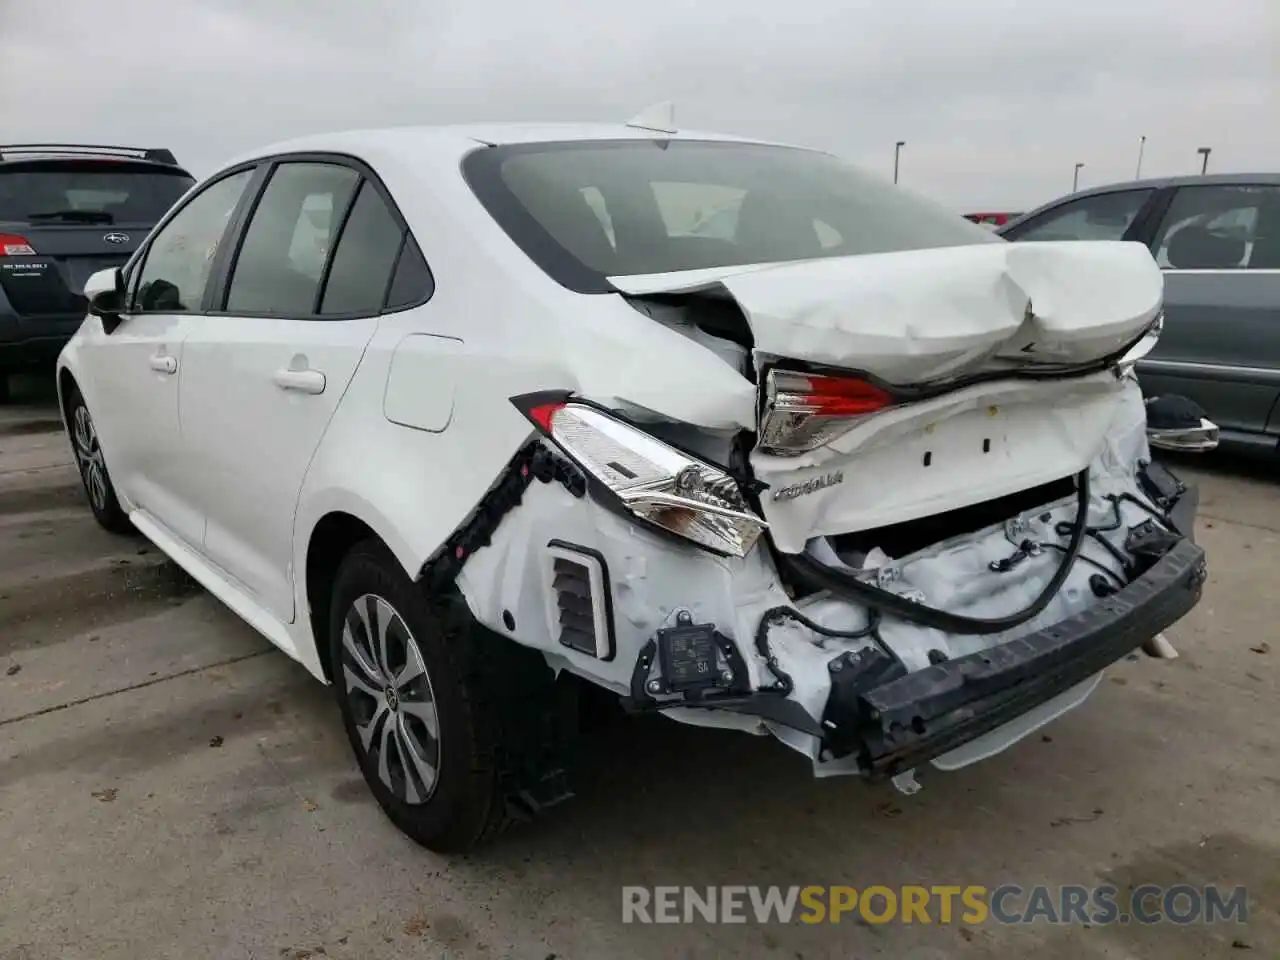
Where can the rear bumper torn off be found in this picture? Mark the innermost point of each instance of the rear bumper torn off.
(922, 715)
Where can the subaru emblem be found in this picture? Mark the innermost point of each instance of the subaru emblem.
(116, 238)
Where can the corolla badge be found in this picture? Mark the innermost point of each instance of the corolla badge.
(809, 486)
(116, 238)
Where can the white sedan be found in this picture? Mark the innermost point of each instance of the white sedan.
(472, 421)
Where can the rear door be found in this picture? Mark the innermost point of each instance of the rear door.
(1219, 245)
(263, 375)
(77, 217)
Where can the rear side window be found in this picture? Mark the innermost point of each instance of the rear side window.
(413, 282)
(98, 192)
(180, 256)
(289, 238)
(364, 258)
(1221, 227)
(1102, 216)
(588, 210)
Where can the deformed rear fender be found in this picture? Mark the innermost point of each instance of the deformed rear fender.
(413, 487)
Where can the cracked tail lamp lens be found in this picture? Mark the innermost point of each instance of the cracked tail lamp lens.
(654, 481)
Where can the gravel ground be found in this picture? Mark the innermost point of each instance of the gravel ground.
(171, 786)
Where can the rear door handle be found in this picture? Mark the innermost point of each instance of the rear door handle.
(163, 363)
(301, 381)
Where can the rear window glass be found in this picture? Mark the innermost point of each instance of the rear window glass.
(98, 192)
(588, 210)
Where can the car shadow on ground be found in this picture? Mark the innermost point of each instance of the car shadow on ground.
(33, 389)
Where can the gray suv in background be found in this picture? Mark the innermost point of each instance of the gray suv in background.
(1217, 238)
(67, 211)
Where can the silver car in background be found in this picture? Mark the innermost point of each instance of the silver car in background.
(1217, 238)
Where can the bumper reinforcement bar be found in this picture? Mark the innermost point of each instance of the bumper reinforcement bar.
(914, 718)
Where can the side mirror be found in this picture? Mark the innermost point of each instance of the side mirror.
(106, 295)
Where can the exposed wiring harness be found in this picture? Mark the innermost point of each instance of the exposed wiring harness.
(814, 573)
(776, 615)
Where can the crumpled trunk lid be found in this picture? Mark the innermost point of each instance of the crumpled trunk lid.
(916, 316)
(925, 318)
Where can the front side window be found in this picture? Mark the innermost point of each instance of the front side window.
(179, 257)
(1102, 216)
(588, 210)
(1220, 227)
(288, 240)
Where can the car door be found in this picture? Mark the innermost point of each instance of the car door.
(264, 373)
(1219, 246)
(133, 371)
(1107, 215)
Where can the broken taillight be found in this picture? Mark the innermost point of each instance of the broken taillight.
(651, 480)
(803, 411)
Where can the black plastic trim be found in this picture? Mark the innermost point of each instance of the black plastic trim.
(924, 714)
(598, 557)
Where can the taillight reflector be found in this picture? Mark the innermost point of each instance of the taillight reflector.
(12, 245)
(846, 397)
(542, 414)
(803, 411)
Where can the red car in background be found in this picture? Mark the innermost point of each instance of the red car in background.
(992, 220)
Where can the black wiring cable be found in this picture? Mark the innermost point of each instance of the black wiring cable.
(1062, 528)
(776, 615)
(1090, 561)
(814, 573)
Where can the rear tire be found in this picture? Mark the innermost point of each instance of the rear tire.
(5, 393)
(93, 468)
(444, 717)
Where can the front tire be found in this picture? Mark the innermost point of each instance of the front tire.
(429, 706)
(93, 468)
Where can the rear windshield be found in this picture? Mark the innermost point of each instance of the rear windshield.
(588, 210)
(93, 192)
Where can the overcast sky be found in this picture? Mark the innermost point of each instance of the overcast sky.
(996, 99)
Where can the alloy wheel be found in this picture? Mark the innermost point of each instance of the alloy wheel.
(89, 457)
(392, 703)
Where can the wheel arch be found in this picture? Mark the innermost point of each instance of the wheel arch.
(66, 384)
(329, 539)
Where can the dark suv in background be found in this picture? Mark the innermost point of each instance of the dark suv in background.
(67, 211)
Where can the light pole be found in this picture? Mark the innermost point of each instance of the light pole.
(897, 151)
(1137, 174)
(1075, 178)
(1204, 159)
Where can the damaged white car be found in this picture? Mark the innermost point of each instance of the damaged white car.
(469, 420)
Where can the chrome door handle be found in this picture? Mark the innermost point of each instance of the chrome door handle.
(301, 381)
(163, 363)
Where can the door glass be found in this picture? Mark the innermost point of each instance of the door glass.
(1104, 216)
(282, 258)
(413, 282)
(1221, 227)
(180, 257)
(364, 258)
